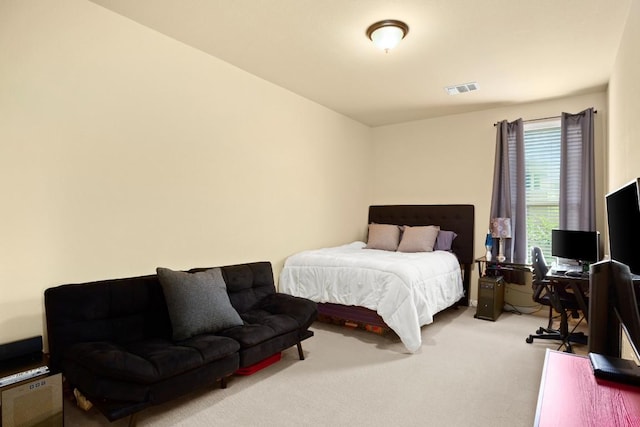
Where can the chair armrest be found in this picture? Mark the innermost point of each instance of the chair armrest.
(303, 310)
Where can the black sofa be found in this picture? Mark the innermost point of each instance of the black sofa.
(114, 340)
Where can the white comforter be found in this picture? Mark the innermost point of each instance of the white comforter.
(405, 289)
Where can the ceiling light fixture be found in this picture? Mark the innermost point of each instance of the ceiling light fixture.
(387, 34)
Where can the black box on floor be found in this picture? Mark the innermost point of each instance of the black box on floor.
(22, 349)
(490, 298)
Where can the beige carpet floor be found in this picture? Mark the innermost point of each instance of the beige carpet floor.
(469, 372)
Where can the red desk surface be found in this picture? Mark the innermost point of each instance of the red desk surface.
(570, 395)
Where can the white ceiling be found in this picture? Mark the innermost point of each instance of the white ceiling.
(516, 50)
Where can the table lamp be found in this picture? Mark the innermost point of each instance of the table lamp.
(501, 229)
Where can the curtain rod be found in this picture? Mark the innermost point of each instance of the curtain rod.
(543, 118)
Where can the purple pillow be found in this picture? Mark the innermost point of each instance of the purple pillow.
(444, 240)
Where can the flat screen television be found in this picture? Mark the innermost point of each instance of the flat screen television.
(613, 310)
(582, 246)
(623, 221)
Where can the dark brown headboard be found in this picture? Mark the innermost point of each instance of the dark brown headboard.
(457, 218)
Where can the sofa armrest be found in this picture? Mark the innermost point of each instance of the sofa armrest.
(303, 310)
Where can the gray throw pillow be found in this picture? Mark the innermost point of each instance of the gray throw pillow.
(418, 239)
(383, 236)
(197, 302)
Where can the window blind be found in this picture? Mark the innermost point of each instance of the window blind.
(542, 181)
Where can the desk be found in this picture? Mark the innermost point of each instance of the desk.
(571, 396)
(511, 272)
(579, 286)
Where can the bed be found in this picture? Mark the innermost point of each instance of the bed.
(385, 291)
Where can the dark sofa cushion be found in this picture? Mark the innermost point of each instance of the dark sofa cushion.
(119, 398)
(257, 353)
(116, 310)
(149, 361)
(302, 310)
(248, 284)
(262, 335)
(197, 302)
(260, 326)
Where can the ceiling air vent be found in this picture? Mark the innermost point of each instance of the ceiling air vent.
(463, 88)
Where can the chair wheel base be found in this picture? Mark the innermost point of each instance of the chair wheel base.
(529, 339)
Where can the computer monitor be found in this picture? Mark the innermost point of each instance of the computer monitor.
(623, 220)
(582, 246)
(613, 310)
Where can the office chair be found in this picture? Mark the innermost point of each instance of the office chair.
(556, 298)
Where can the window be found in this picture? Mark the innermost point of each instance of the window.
(542, 181)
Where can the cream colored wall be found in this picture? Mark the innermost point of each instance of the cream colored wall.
(624, 105)
(450, 159)
(122, 150)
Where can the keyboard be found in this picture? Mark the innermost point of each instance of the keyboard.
(576, 273)
(23, 376)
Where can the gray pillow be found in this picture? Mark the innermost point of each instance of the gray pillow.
(444, 242)
(418, 239)
(197, 302)
(383, 236)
